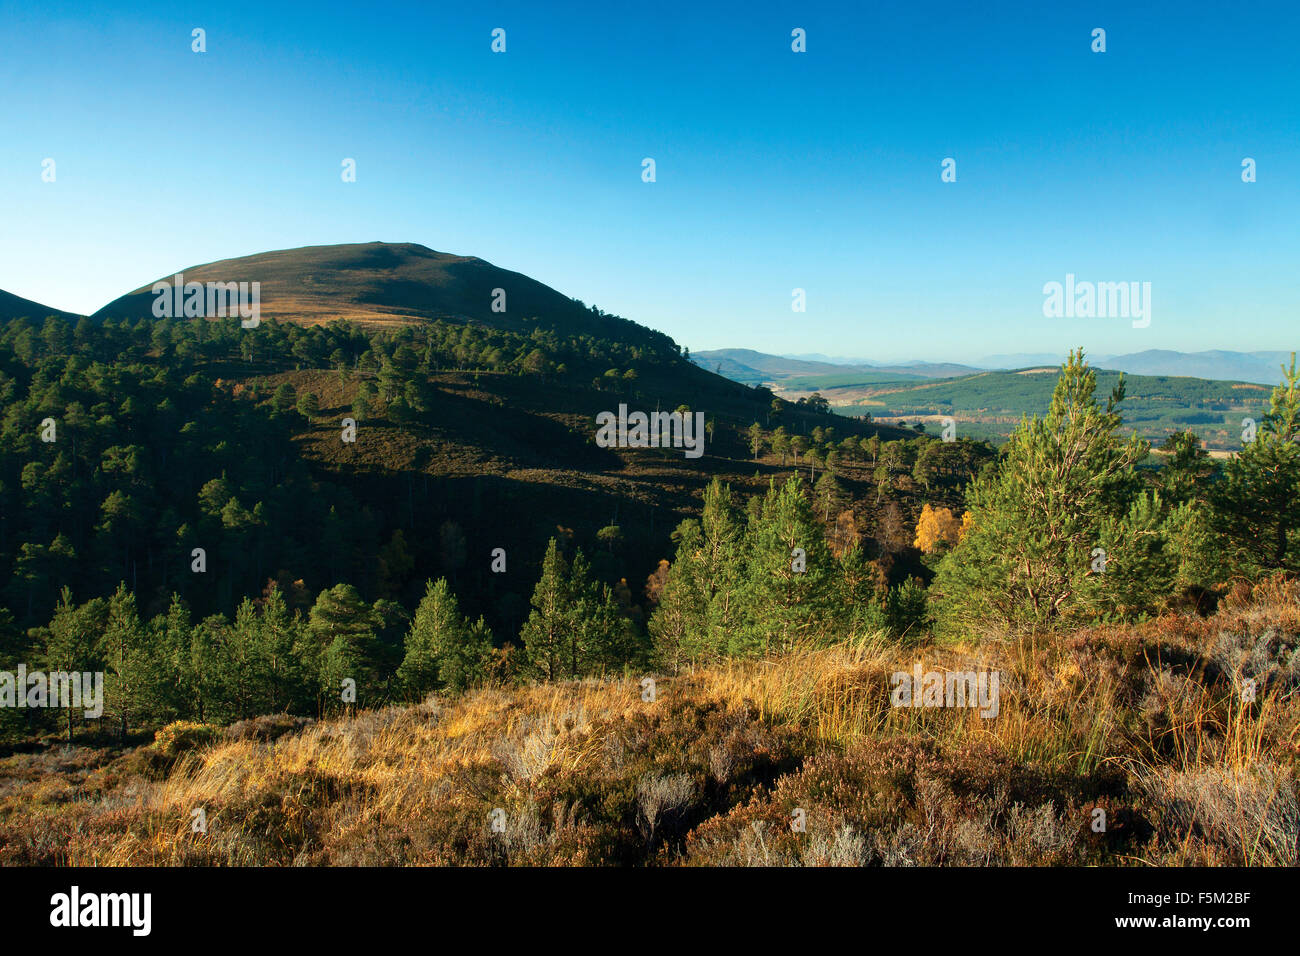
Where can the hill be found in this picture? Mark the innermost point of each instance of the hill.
(1257, 367)
(923, 369)
(988, 404)
(16, 307)
(755, 368)
(473, 426)
(1261, 368)
(393, 284)
(739, 364)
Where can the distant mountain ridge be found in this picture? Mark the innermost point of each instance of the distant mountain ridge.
(913, 367)
(751, 367)
(1263, 368)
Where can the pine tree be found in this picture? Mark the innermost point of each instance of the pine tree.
(207, 646)
(127, 656)
(582, 635)
(677, 617)
(861, 586)
(544, 633)
(361, 405)
(240, 666)
(284, 397)
(790, 574)
(1138, 561)
(720, 567)
(602, 637)
(278, 635)
(392, 381)
(343, 626)
(172, 643)
(437, 628)
(829, 494)
(1257, 504)
(780, 443)
(1186, 469)
(72, 640)
(679, 625)
(1038, 516)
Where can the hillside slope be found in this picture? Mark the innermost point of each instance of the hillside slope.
(381, 283)
(468, 431)
(16, 307)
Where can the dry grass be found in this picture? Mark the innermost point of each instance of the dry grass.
(1149, 724)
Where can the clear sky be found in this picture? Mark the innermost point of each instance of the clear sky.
(775, 169)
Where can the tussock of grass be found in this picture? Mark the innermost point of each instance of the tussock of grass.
(1147, 723)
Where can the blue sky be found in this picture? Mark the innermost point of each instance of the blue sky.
(775, 170)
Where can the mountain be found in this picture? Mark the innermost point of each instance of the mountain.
(923, 369)
(1216, 365)
(386, 287)
(467, 434)
(496, 421)
(754, 368)
(746, 362)
(1017, 360)
(1261, 367)
(929, 369)
(828, 359)
(388, 284)
(16, 307)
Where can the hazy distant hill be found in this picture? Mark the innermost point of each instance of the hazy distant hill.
(16, 307)
(1262, 367)
(752, 368)
(929, 369)
(923, 369)
(1219, 365)
(1022, 360)
(735, 363)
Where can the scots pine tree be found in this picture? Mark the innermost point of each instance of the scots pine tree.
(790, 574)
(544, 634)
(343, 627)
(678, 626)
(127, 656)
(720, 568)
(72, 640)
(443, 649)
(1037, 517)
(1257, 504)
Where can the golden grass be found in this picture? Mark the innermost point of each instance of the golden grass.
(416, 783)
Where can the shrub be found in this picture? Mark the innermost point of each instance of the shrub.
(266, 727)
(182, 735)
